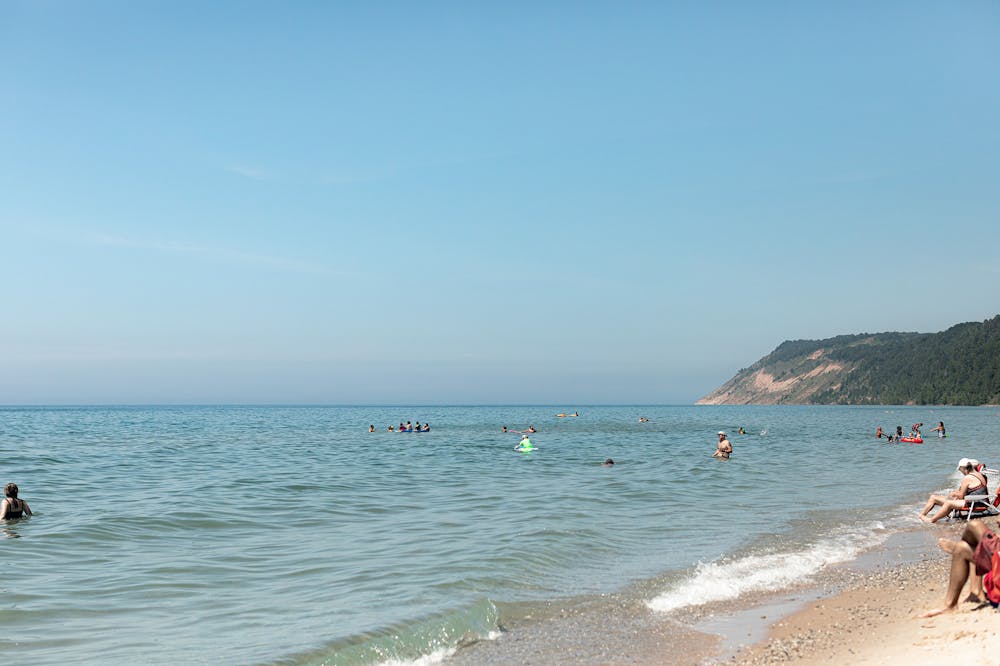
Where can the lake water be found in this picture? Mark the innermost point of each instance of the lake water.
(234, 535)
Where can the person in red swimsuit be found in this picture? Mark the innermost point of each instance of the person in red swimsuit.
(974, 549)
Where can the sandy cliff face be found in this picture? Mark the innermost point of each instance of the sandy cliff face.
(780, 383)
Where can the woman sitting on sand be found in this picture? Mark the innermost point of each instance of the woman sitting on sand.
(973, 483)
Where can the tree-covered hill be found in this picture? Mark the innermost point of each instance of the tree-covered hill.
(959, 366)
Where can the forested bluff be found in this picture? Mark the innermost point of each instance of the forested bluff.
(958, 366)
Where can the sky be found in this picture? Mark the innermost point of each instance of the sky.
(563, 203)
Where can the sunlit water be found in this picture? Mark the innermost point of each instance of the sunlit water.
(281, 534)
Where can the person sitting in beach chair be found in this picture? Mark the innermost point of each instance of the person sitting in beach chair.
(975, 550)
(973, 483)
(978, 504)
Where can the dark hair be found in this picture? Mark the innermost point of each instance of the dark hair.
(609, 461)
(10, 490)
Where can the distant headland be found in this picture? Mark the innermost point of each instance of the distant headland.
(958, 366)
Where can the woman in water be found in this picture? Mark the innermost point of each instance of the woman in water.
(939, 429)
(11, 507)
(973, 483)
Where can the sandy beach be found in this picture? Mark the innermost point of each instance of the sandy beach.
(877, 620)
(864, 613)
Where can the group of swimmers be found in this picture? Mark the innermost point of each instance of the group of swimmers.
(914, 432)
(407, 427)
(531, 429)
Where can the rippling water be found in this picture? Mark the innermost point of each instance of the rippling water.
(281, 534)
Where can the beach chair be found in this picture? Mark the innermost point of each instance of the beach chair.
(980, 506)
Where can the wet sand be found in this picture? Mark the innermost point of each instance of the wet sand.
(864, 613)
(612, 629)
(877, 621)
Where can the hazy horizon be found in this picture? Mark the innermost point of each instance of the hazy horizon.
(598, 203)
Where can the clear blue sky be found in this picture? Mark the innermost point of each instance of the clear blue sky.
(569, 203)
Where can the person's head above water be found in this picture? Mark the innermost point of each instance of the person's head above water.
(609, 461)
(10, 490)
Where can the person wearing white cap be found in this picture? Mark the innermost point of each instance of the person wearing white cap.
(725, 449)
(973, 483)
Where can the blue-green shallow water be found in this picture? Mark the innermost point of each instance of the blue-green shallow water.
(291, 534)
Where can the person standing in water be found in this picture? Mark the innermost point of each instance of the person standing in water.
(878, 433)
(12, 508)
(725, 449)
(939, 429)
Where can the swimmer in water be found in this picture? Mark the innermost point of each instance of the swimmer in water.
(741, 431)
(725, 449)
(12, 508)
(939, 429)
(531, 429)
(609, 462)
(503, 428)
(371, 428)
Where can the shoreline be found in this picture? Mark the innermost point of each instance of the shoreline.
(876, 620)
(860, 612)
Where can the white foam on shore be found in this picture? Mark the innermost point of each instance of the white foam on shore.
(729, 579)
(435, 657)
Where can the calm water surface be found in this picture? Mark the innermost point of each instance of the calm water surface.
(291, 534)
